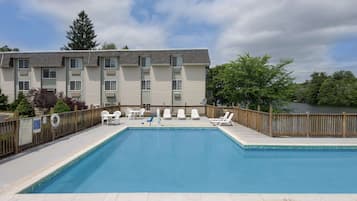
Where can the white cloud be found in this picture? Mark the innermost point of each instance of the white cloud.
(301, 29)
(304, 30)
(111, 18)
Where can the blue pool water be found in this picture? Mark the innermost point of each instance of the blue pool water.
(201, 160)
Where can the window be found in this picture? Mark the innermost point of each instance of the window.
(176, 84)
(110, 85)
(48, 73)
(145, 85)
(147, 107)
(145, 62)
(23, 63)
(110, 62)
(24, 85)
(176, 61)
(75, 63)
(75, 85)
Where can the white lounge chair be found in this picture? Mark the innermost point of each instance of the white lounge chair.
(220, 118)
(195, 115)
(181, 114)
(104, 115)
(224, 122)
(167, 114)
(142, 112)
(116, 119)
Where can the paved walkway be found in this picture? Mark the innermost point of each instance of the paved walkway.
(24, 169)
(250, 138)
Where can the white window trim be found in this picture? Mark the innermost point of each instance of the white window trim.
(176, 56)
(142, 85)
(22, 68)
(18, 85)
(116, 85)
(141, 65)
(77, 59)
(49, 73)
(114, 59)
(75, 85)
(176, 85)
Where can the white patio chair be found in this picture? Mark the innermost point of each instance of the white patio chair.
(142, 112)
(194, 114)
(104, 115)
(128, 113)
(225, 122)
(116, 119)
(181, 114)
(167, 114)
(220, 118)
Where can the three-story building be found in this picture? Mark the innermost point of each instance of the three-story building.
(105, 77)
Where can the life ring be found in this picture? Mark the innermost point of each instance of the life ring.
(55, 120)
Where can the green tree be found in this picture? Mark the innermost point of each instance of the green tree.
(6, 48)
(3, 101)
(109, 46)
(81, 35)
(314, 86)
(340, 89)
(253, 81)
(125, 47)
(61, 106)
(215, 85)
(25, 109)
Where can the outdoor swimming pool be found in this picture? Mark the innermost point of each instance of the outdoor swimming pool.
(200, 160)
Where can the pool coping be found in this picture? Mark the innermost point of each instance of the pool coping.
(286, 145)
(27, 182)
(15, 189)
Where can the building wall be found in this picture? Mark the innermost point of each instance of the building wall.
(35, 77)
(161, 78)
(128, 76)
(130, 85)
(7, 83)
(91, 80)
(193, 84)
(61, 80)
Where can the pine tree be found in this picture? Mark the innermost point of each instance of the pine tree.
(81, 35)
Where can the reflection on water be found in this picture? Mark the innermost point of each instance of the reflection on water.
(303, 107)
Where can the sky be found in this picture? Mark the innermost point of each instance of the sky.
(319, 35)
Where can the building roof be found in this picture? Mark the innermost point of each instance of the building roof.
(91, 57)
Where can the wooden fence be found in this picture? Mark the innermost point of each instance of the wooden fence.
(70, 122)
(294, 125)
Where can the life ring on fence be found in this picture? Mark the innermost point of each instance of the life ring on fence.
(55, 120)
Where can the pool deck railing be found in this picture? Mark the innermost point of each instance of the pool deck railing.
(11, 138)
(291, 124)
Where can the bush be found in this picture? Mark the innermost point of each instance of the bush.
(43, 99)
(3, 101)
(61, 106)
(25, 109)
(72, 103)
(17, 101)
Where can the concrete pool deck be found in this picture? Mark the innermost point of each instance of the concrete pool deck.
(26, 168)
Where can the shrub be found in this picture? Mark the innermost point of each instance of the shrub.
(14, 104)
(72, 103)
(61, 106)
(43, 99)
(25, 109)
(3, 101)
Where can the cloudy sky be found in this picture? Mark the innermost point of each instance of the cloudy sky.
(320, 35)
